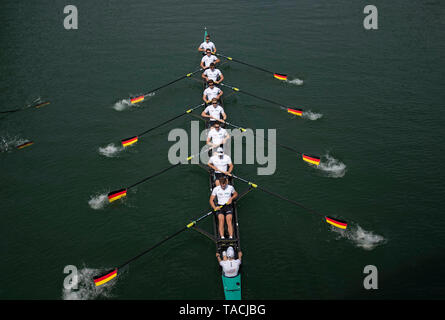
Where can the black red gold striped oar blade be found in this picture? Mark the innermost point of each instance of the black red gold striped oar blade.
(137, 99)
(311, 159)
(337, 222)
(280, 76)
(295, 111)
(104, 278)
(116, 195)
(24, 145)
(129, 141)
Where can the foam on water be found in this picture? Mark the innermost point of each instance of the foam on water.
(296, 82)
(86, 289)
(311, 115)
(111, 150)
(332, 167)
(8, 143)
(361, 238)
(125, 104)
(98, 202)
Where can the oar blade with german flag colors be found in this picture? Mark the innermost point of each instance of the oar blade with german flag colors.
(129, 141)
(311, 159)
(295, 111)
(104, 278)
(337, 222)
(24, 145)
(116, 195)
(137, 99)
(280, 76)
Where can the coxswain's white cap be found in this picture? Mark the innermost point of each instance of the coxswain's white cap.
(230, 252)
(220, 150)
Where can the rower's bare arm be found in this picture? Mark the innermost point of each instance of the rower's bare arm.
(204, 77)
(217, 60)
(230, 168)
(204, 115)
(221, 78)
(235, 195)
(240, 254)
(224, 116)
(212, 204)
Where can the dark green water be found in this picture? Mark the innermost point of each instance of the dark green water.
(381, 96)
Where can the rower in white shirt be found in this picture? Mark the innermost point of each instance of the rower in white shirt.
(221, 164)
(229, 264)
(207, 44)
(211, 92)
(214, 112)
(208, 59)
(213, 74)
(217, 136)
(224, 194)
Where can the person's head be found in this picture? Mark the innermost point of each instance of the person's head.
(208, 52)
(211, 83)
(214, 102)
(230, 253)
(220, 152)
(216, 125)
(207, 38)
(212, 65)
(223, 182)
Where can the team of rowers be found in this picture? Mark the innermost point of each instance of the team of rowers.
(223, 194)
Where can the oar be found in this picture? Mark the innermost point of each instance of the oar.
(306, 157)
(118, 194)
(39, 105)
(104, 278)
(333, 221)
(141, 98)
(129, 141)
(293, 110)
(279, 76)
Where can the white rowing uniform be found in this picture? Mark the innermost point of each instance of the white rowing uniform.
(213, 74)
(208, 60)
(230, 267)
(217, 136)
(212, 93)
(207, 45)
(221, 164)
(215, 112)
(223, 195)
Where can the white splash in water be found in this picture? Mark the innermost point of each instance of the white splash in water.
(86, 289)
(8, 143)
(296, 81)
(111, 150)
(122, 105)
(332, 167)
(311, 115)
(98, 202)
(366, 240)
(125, 104)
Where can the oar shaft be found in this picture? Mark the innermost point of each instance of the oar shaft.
(245, 63)
(170, 120)
(166, 239)
(154, 175)
(255, 96)
(171, 82)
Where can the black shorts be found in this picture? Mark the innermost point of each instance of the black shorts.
(225, 210)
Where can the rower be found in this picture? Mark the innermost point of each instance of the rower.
(229, 265)
(224, 194)
(211, 92)
(217, 136)
(208, 59)
(214, 112)
(207, 44)
(213, 74)
(221, 164)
